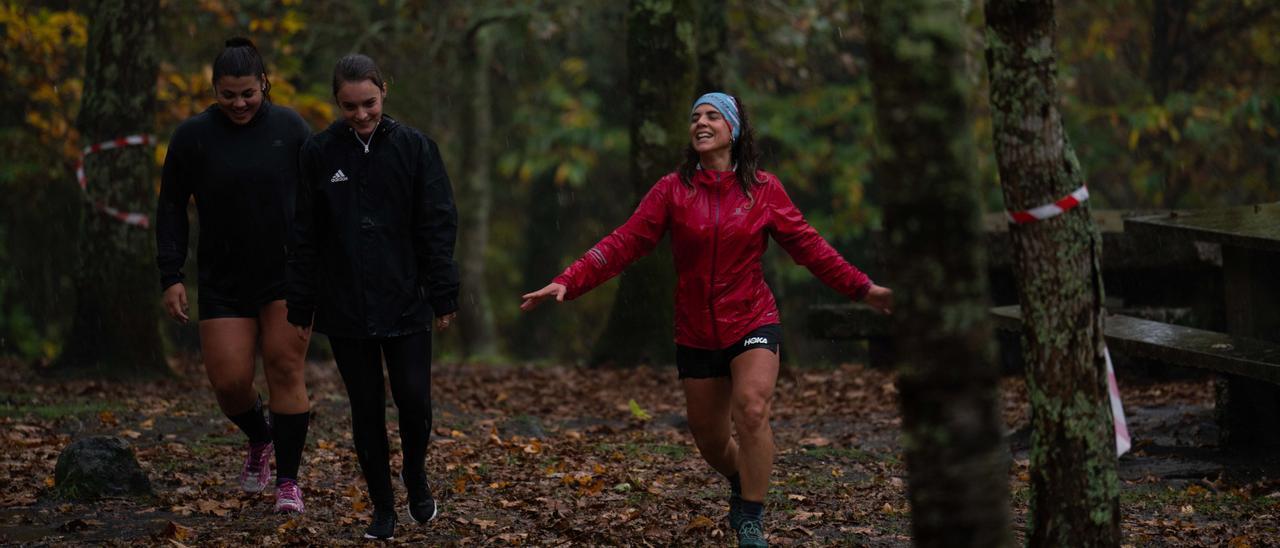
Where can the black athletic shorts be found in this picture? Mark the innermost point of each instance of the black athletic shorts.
(698, 363)
(214, 305)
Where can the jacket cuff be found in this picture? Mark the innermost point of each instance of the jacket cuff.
(167, 280)
(569, 293)
(861, 292)
(300, 316)
(443, 306)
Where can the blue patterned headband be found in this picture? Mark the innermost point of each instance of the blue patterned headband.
(727, 106)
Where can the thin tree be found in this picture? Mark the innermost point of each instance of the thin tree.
(115, 332)
(1075, 493)
(948, 379)
(661, 60)
(479, 336)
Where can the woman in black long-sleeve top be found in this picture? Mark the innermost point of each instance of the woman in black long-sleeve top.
(239, 159)
(372, 263)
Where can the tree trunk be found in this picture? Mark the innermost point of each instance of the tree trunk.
(544, 232)
(660, 57)
(479, 337)
(1075, 493)
(948, 378)
(115, 332)
(712, 46)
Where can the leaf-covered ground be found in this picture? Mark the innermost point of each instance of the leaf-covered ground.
(561, 456)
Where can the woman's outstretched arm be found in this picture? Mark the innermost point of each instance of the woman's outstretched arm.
(610, 256)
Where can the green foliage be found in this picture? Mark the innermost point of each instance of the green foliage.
(39, 95)
(1185, 120)
(1203, 132)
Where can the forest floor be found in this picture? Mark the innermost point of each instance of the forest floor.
(549, 455)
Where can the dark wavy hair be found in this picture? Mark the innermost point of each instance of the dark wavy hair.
(240, 57)
(356, 67)
(742, 153)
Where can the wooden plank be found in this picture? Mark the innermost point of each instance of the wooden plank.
(1255, 226)
(1177, 345)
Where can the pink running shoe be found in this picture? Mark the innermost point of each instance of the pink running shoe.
(288, 497)
(256, 474)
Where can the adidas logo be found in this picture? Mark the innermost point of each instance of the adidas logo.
(338, 177)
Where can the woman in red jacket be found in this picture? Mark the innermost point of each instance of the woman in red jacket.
(720, 210)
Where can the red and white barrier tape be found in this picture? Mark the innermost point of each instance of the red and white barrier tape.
(1123, 442)
(1049, 211)
(126, 217)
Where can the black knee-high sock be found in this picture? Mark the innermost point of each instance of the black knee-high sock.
(290, 434)
(735, 485)
(253, 424)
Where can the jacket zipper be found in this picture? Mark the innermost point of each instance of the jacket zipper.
(368, 326)
(715, 245)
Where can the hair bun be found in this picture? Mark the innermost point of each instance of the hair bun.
(240, 42)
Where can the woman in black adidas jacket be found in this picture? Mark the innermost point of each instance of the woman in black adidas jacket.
(371, 262)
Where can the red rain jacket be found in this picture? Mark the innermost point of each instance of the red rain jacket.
(717, 236)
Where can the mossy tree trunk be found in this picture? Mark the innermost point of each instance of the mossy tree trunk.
(479, 336)
(115, 331)
(1075, 493)
(948, 379)
(661, 63)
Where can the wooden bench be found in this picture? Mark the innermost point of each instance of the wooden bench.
(1126, 335)
(1176, 345)
(854, 321)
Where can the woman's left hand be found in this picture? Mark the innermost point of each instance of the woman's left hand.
(442, 322)
(880, 298)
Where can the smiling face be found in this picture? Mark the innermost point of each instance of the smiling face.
(239, 97)
(708, 130)
(361, 105)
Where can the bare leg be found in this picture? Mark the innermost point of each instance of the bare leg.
(228, 346)
(755, 372)
(284, 361)
(707, 406)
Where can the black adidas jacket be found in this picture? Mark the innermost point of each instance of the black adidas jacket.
(371, 254)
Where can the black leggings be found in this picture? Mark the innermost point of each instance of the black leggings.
(409, 367)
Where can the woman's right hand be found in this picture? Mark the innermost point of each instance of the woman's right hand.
(531, 300)
(175, 302)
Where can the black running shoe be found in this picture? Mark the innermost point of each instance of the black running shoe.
(422, 507)
(751, 534)
(383, 526)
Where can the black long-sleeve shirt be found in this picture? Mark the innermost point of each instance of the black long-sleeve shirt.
(372, 248)
(244, 178)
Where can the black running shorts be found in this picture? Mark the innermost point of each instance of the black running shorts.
(698, 363)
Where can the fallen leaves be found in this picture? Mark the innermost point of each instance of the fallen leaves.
(174, 531)
(699, 522)
(605, 472)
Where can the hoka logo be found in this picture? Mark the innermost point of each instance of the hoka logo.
(755, 340)
(338, 177)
